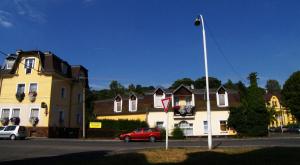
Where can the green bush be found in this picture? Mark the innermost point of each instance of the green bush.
(177, 133)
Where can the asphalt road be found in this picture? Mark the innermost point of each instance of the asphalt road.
(36, 148)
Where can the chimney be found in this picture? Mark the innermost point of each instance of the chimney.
(19, 51)
(192, 86)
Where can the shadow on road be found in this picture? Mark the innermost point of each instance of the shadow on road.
(274, 155)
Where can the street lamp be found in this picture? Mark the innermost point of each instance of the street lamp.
(199, 21)
(83, 79)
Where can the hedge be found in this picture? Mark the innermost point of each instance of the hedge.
(113, 128)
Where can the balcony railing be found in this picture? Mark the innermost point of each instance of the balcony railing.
(187, 110)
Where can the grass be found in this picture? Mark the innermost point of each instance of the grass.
(176, 156)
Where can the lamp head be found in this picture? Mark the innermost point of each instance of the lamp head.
(197, 21)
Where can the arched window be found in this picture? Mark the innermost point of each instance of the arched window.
(118, 104)
(222, 97)
(133, 103)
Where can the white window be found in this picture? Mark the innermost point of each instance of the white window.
(5, 113)
(21, 88)
(62, 92)
(29, 65)
(133, 103)
(158, 96)
(160, 124)
(118, 104)
(34, 112)
(222, 98)
(15, 112)
(223, 125)
(33, 87)
(205, 127)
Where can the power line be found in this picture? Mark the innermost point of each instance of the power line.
(223, 54)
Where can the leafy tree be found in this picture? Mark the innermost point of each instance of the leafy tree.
(213, 82)
(273, 86)
(131, 88)
(291, 94)
(116, 88)
(177, 133)
(229, 85)
(252, 117)
(184, 81)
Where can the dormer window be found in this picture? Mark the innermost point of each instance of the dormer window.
(158, 96)
(29, 65)
(133, 103)
(222, 97)
(118, 104)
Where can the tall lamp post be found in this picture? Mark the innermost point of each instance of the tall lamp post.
(199, 21)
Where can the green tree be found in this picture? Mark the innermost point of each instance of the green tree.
(291, 94)
(184, 81)
(229, 85)
(200, 83)
(116, 88)
(252, 117)
(273, 86)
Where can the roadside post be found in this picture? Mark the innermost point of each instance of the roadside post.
(165, 103)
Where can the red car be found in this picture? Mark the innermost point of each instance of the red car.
(150, 134)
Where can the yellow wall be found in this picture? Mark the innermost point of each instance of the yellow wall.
(9, 89)
(283, 116)
(141, 117)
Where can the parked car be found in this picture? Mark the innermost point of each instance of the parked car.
(13, 132)
(145, 134)
(294, 129)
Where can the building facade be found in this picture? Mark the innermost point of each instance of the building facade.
(187, 109)
(43, 91)
(282, 116)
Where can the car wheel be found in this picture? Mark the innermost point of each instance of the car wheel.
(12, 137)
(127, 139)
(152, 139)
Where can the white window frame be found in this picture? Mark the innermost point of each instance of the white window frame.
(20, 84)
(155, 104)
(226, 124)
(130, 104)
(12, 110)
(9, 114)
(37, 86)
(205, 127)
(225, 99)
(116, 106)
(38, 113)
(29, 58)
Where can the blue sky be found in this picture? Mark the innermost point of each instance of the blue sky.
(154, 42)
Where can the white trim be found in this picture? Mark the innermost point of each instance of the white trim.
(26, 64)
(115, 105)
(225, 100)
(37, 86)
(154, 99)
(130, 104)
(38, 113)
(9, 114)
(193, 99)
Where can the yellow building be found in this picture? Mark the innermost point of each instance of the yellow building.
(43, 91)
(282, 115)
